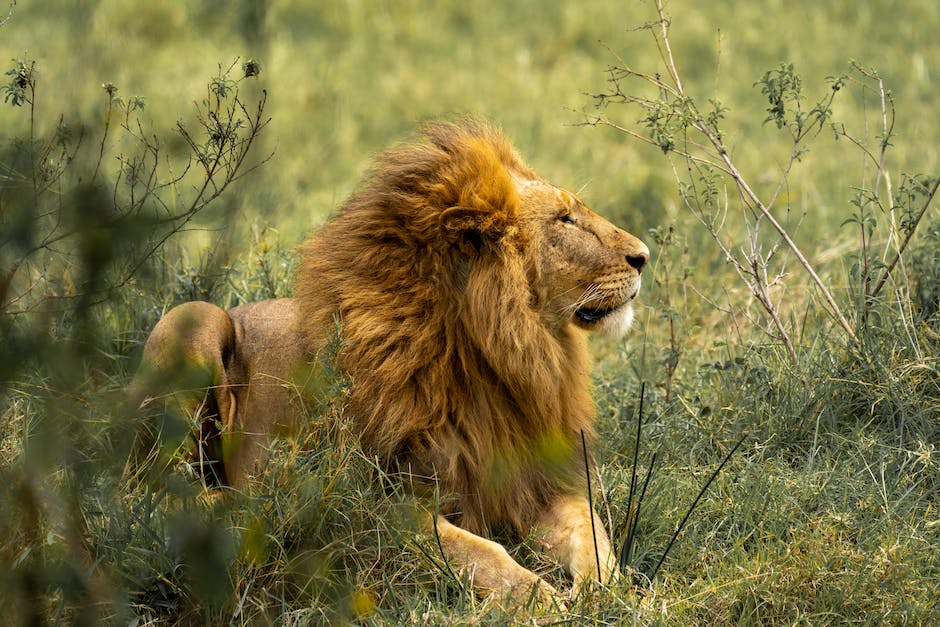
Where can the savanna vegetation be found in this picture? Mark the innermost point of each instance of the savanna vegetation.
(780, 159)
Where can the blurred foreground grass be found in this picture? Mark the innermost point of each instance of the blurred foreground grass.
(829, 512)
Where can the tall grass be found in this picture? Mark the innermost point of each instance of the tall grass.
(828, 511)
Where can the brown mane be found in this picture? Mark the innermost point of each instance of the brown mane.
(454, 374)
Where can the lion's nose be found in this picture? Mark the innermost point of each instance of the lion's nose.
(638, 260)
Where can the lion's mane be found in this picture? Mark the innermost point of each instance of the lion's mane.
(454, 375)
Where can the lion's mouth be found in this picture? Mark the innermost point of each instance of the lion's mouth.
(590, 315)
(612, 315)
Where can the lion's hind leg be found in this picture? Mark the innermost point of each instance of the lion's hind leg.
(183, 386)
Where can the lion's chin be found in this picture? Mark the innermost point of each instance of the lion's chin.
(614, 322)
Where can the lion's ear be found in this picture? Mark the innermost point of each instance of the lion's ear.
(472, 229)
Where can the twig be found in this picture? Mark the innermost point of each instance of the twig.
(907, 239)
(670, 62)
(765, 212)
(104, 133)
(9, 15)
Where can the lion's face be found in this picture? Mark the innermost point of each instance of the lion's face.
(582, 269)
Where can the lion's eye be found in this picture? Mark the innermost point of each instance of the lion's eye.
(566, 218)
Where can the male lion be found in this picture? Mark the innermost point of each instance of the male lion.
(462, 284)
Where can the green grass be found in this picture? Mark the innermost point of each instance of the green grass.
(829, 513)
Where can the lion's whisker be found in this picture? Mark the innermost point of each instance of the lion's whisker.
(590, 295)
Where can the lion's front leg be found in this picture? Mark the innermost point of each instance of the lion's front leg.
(568, 535)
(489, 567)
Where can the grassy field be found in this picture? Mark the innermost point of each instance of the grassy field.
(828, 513)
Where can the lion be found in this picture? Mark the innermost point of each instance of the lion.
(462, 284)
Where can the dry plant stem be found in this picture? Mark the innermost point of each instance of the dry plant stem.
(745, 189)
(907, 240)
(765, 212)
(673, 363)
(886, 131)
(9, 15)
(879, 174)
(752, 275)
(104, 137)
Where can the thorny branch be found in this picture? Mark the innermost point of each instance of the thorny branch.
(145, 189)
(745, 188)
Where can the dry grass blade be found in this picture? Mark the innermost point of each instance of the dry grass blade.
(692, 507)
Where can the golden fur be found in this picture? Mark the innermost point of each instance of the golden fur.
(462, 283)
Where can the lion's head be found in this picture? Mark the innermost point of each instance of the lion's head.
(580, 268)
(463, 281)
(584, 270)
